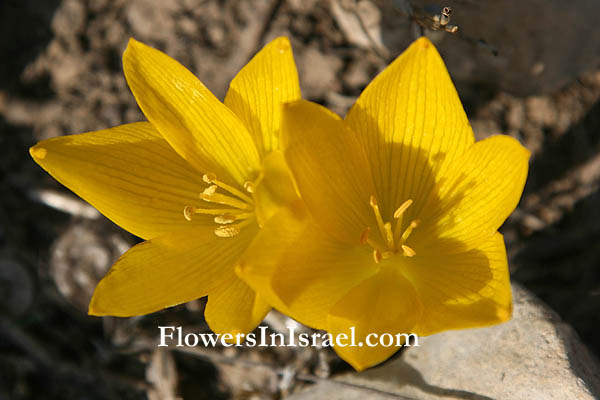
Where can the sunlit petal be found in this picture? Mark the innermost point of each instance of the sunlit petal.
(234, 308)
(257, 92)
(197, 125)
(462, 290)
(330, 168)
(168, 270)
(305, 271)
(412, 124)
(386, 303)
(476, 195)
(129, 173)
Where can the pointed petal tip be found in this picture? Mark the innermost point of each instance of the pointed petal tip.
(423, 42)
(133, 42)
(37, 152)
(511, 141)
(93, 309)
(505, 313)
(282, 43)
(133, 45)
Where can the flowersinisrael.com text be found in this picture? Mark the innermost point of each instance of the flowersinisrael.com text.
(174, 335)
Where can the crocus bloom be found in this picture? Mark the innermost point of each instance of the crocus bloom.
(400, 233)
(197, 181)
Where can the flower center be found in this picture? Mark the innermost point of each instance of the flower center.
(394, 239)
(239, 206)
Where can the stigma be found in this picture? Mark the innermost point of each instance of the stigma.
(230, 208)
(393, 240)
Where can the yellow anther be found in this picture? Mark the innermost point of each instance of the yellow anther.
(226, 231)
(209, 177)
(409, 230)
(389, 235)
(387, 254)
(408, 252)
(399, 214)
(188, 211)
(376, 256)
(249, 186)
(225, 219)
(375, 207)
(364, 237)
(400, 211)
(373, 201)
(209, 191)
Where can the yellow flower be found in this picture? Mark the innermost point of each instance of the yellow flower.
(404, 213)
(197, 181)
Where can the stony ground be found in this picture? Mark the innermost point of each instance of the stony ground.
(61, 74)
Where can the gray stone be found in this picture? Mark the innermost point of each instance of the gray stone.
(541, 45)
(524, 47)
(533, 356)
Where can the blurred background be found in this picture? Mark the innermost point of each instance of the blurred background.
(528, 68)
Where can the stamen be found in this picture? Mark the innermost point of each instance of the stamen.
(209, 177)
(399, 214)
(226, 231)
(389, 236)
(212, 178)
(409, 230)
(394, 241)
(209, 191)
(375, 207)
(243, 215)
(223, 199)
(224, 219)
(400, 211)
(241, 205)
(364, 237)
(249, 186)
(376, 256)
(408, 252)
(188, 211)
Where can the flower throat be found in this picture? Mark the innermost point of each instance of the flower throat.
(394, 239)
(240, 205)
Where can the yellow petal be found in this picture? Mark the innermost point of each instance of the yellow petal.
(197, 125)
(276, 189)
(129, 173)
(331, 169)
(168, 270)
(386, 303)
(305, 271)
(234, 308)
(478, 193)
(462, 290)
(258, 91)
(412, 125)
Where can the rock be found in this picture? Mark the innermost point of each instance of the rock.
(527, 47)
(81, 256)
(533, 356)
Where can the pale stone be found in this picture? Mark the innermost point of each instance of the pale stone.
(533, 356)
(525, 47)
